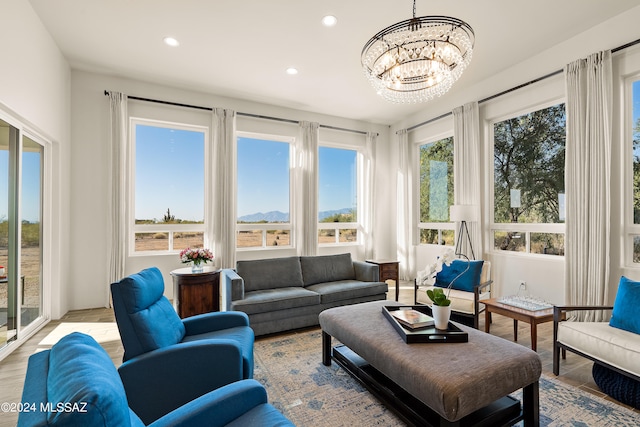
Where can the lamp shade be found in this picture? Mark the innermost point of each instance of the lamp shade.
(468, 213)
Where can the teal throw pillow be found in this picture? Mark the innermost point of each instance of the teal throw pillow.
(625, 308)
(467, 281)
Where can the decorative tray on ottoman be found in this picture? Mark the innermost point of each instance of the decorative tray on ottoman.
(427, 334)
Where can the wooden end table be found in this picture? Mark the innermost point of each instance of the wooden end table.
(196, 293)
(389, 270)
(531, 317)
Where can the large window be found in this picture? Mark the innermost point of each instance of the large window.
(263, 191)
(436, 192)
(337, 196)
(21, 232)
(169, 186)
(635, 131)
(529, 152)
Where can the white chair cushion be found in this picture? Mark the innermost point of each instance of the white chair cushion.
(614, 346)
(461, 301)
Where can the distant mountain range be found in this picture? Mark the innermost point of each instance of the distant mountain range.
(277, 216)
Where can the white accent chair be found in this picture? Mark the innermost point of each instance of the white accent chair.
(465, 306)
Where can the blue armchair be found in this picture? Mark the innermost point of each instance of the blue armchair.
(147, 322)
(76, 384)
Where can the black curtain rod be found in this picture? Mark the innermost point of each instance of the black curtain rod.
(255, 116)
(489, 98)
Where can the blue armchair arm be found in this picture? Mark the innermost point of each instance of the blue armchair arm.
(222, 406)
(366, 271)
(165, 379)
(209, 322)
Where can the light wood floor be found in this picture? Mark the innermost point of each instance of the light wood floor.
(575, 370)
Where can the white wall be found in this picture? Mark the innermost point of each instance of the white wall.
(89, 135)
(34, 88)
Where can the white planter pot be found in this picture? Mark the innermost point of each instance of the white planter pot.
(441, 316)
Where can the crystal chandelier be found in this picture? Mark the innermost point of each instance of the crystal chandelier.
(418, 59)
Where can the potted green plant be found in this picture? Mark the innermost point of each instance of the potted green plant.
(441, 307)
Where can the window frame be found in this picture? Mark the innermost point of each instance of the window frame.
(360, 189)
(631, 230)
(527, 228)
(265, 228)
(170, 229)
(440, 226)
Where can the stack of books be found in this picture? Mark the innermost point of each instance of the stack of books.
(412, 319)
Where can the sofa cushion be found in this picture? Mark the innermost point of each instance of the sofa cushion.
(467, 281)
(347, 290)
(614, 346)
(275, 299)
(80, 371)
(271, 273)
(328, 268)
(625, 308)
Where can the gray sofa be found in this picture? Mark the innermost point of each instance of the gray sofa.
(281, 294)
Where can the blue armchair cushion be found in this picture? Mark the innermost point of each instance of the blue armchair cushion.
(467, 281)
(328, 268)
(625, 308)
(80, 371)
(158, 326)
(155, 322)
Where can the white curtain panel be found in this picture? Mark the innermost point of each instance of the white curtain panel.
(369, 186)
(466, 171)
(587, 178)
(117, 221)
(405, 249)
(307, 177)
(223, 231)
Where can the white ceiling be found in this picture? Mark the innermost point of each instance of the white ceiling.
(241, 49)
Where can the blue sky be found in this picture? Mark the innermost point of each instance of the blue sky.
(30, 186)
(170, 174)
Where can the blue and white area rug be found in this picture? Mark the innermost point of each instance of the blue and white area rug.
(313, 395)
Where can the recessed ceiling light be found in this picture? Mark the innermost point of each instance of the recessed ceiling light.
(170, 41)
(292, 71)
(329, 21)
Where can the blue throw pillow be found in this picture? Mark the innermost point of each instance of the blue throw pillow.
(467, 281)
(625, 308)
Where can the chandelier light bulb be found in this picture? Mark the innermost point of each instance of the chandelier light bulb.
(418, 59)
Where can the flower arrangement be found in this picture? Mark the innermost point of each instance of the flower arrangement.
(437, 295)
(196, 256)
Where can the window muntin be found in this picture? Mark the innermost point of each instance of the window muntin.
(169, 186)
(337, 196)
(264, 191)
(528, 199)
(436, 192)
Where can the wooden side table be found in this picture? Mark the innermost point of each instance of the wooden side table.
(533, 318)
(389, 270)
(196, 293)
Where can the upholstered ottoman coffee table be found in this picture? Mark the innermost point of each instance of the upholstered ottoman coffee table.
(457, 384)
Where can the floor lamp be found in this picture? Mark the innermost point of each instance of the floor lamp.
(463, 214)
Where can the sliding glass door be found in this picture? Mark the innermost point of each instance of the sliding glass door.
(21, 166)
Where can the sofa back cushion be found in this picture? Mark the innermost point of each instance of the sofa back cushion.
(329, 268)
(262, 274)
(625, 307)
(467, 281)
